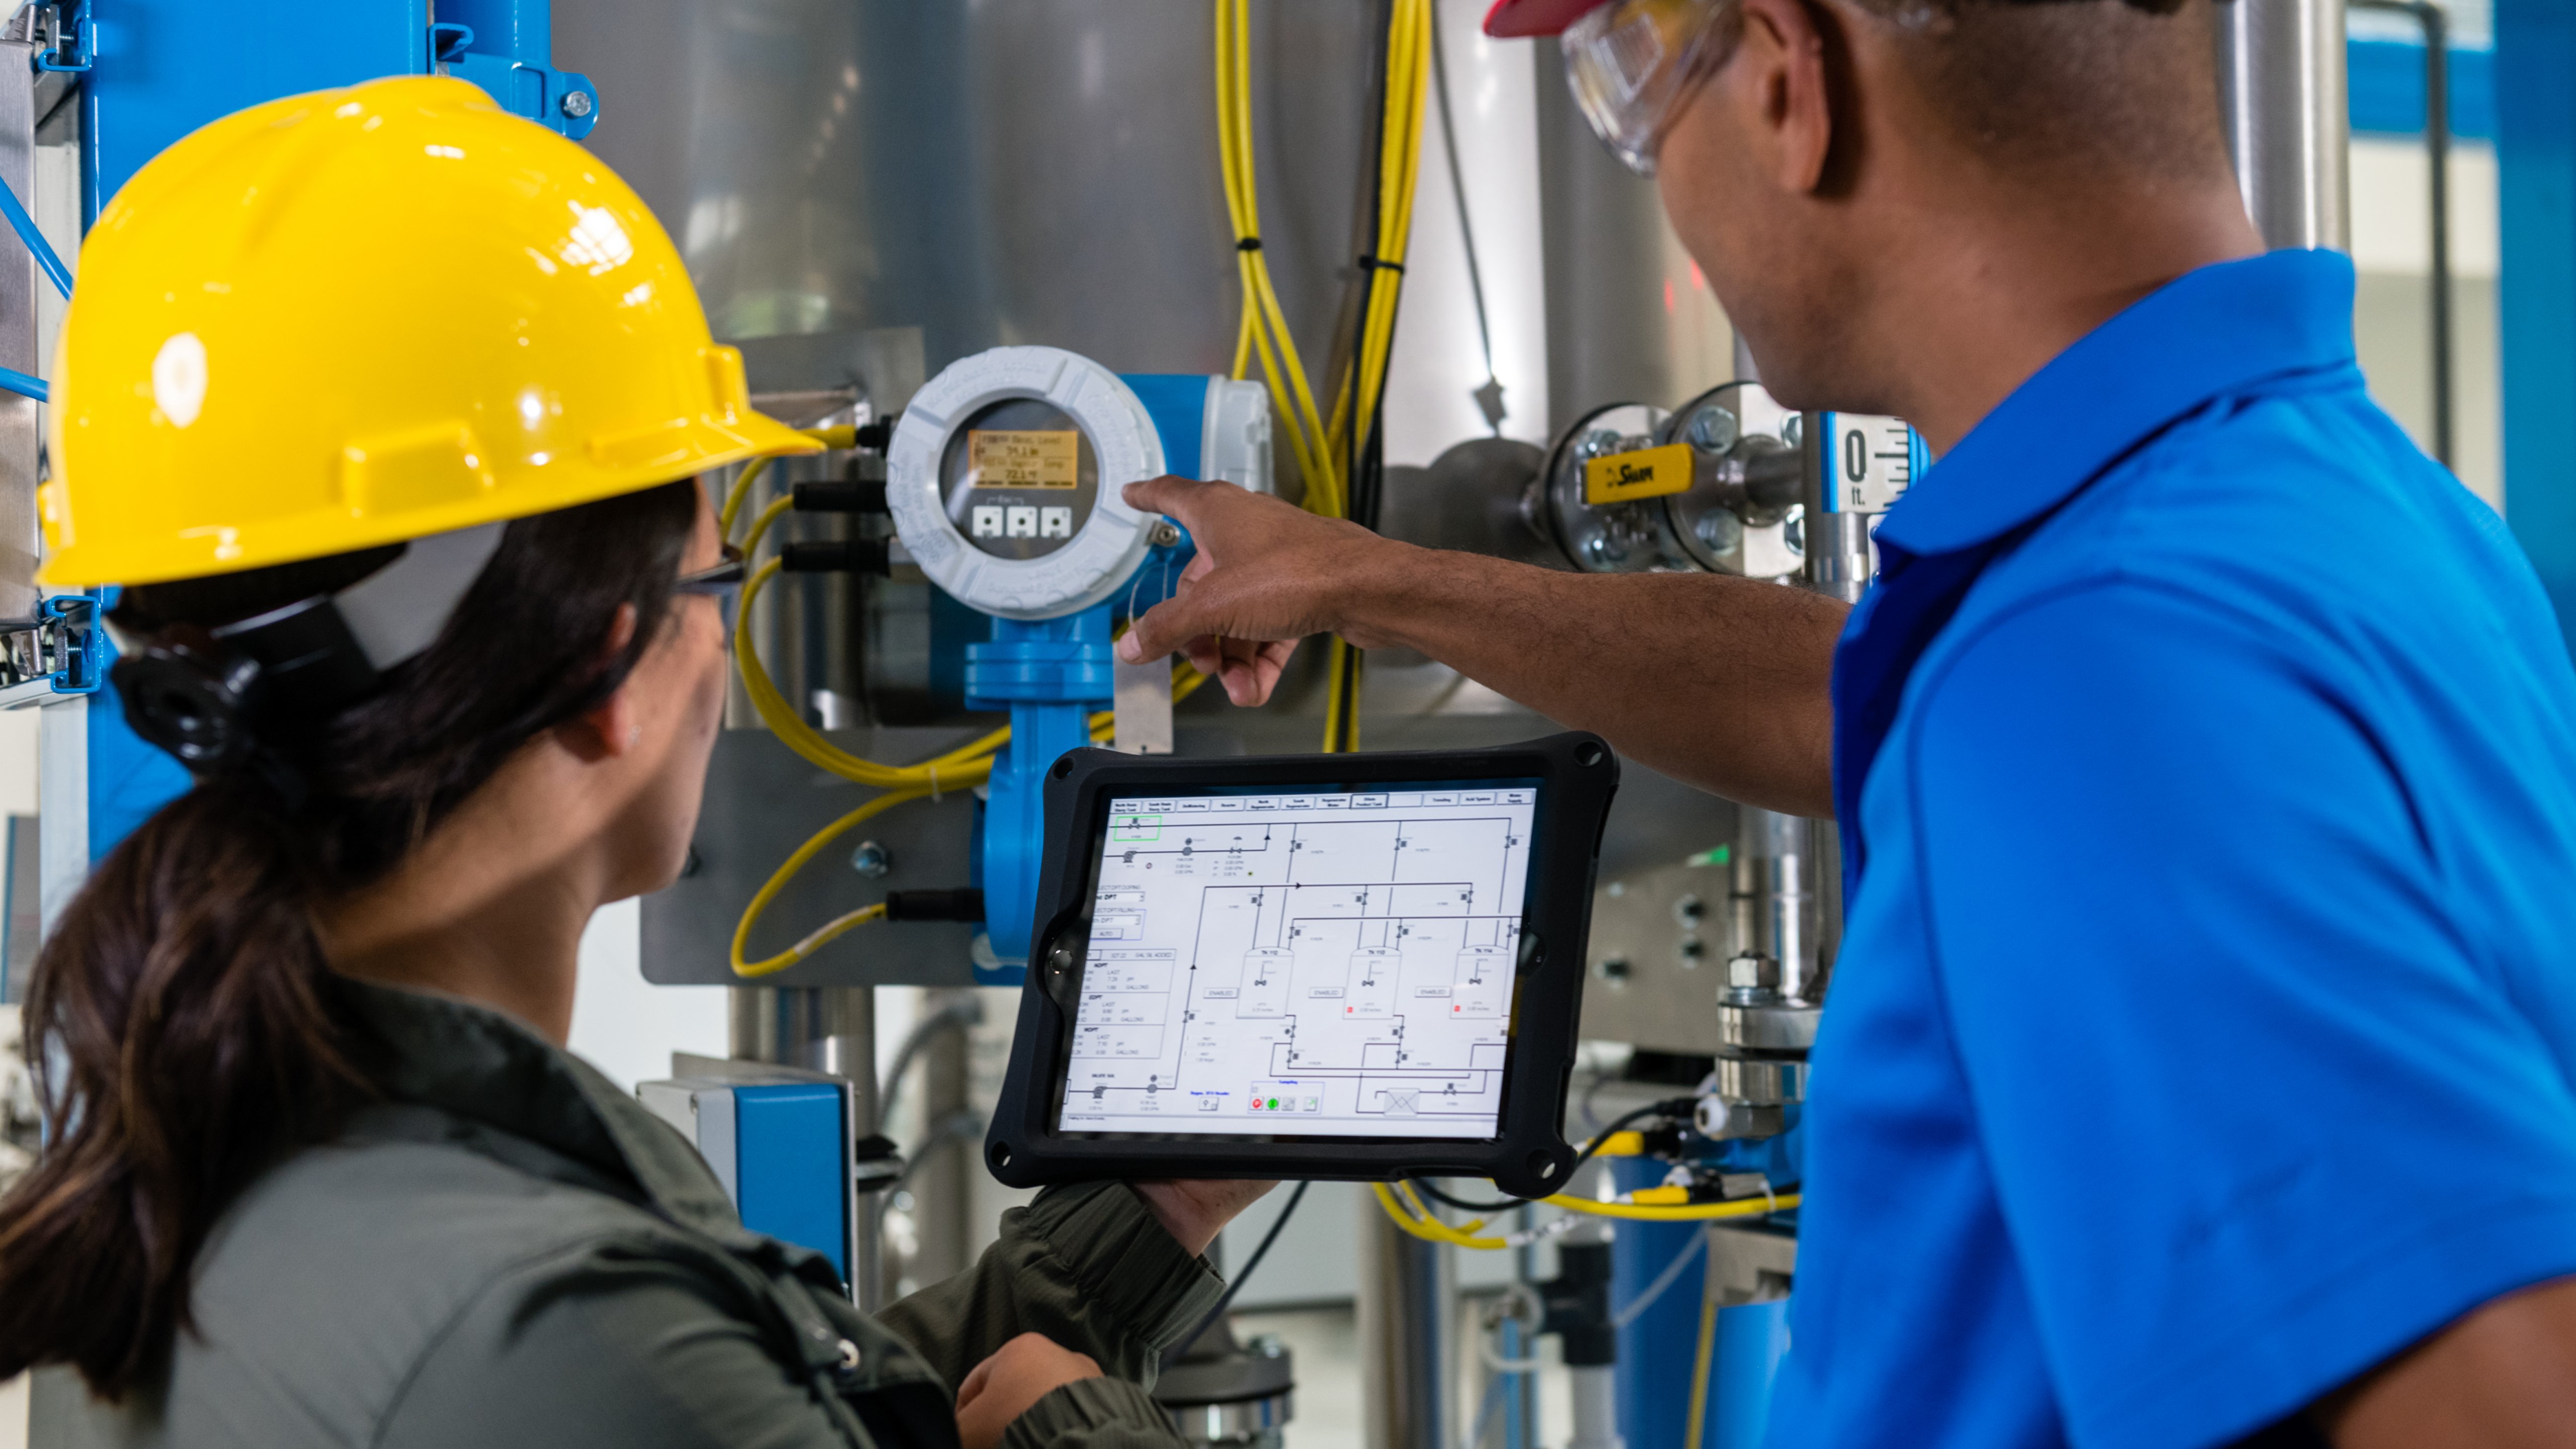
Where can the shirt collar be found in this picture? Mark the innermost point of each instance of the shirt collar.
(2208, 333)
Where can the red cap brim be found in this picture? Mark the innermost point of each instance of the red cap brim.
(1513, 19)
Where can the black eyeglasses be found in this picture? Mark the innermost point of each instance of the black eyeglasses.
(721, 581)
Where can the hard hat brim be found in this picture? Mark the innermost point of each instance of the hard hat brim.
(683, 451)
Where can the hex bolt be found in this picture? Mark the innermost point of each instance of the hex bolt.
(1614, 970)
(1713, 429)
(577, 104)
(872, 860)
(1752, 973)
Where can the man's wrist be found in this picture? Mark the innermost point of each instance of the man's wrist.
(1381, 587)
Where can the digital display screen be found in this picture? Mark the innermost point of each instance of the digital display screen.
(1332, 962)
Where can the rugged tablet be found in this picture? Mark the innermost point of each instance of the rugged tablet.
(1315, 966)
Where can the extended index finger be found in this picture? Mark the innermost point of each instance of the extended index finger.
(1173, 497)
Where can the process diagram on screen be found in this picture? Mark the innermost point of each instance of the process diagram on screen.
(1320, 964)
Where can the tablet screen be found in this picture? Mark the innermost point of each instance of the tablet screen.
(1337, 963)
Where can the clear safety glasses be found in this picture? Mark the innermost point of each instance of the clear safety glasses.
(1631, 64)
(722, 582)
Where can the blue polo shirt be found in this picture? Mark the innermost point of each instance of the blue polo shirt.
(2205, 1023)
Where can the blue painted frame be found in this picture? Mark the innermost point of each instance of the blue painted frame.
(2536, 173)
(2386, 83)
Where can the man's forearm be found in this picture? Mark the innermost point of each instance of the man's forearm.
(1721, 682)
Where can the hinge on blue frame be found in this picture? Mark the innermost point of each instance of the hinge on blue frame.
(58, 652)
(72, 622)
(562, 99)
(63, 35)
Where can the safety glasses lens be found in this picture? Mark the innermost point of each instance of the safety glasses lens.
(1630, 64)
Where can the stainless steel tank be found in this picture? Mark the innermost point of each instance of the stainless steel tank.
(988, 173)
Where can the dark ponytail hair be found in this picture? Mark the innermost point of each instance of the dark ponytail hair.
(178, 1020)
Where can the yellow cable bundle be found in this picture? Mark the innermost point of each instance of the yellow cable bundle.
(779, 878)
(966, 765)
(1408, 85)
(1692, 1213)
(845, 436)
(1320, 447)
(1264, 329)
(1416, 1219)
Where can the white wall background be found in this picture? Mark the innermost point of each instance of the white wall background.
(1439, 361)
(2392, 247)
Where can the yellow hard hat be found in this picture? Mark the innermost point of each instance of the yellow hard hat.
(368, 315)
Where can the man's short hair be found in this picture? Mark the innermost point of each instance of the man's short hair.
(2128, 84)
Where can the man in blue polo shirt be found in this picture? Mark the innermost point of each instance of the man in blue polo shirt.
(2198, 1069)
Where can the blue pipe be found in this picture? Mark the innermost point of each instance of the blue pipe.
(25, 226)
(23, 384)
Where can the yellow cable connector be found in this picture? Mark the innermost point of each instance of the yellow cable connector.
(1622, 1144)
(1694, 1212)
(1665, 1196)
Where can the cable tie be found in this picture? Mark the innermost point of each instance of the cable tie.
(1374, 264)
(1248, 244)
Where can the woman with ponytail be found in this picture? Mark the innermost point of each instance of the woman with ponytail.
(386, 409)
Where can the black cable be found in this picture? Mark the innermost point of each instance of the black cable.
(1172, 1354)
(1423, 1185)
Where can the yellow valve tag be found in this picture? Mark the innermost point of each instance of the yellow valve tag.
(1012, 458)
(1646, 473)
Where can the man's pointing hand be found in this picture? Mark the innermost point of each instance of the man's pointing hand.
(1267, 575)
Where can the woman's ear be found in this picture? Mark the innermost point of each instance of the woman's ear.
(613, 726)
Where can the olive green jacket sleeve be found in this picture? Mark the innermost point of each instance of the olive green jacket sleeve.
(1090, 1267)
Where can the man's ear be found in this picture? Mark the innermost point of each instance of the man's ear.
(611, 727)
(1780, 55)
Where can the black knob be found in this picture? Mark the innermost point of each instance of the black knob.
(841, 495)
